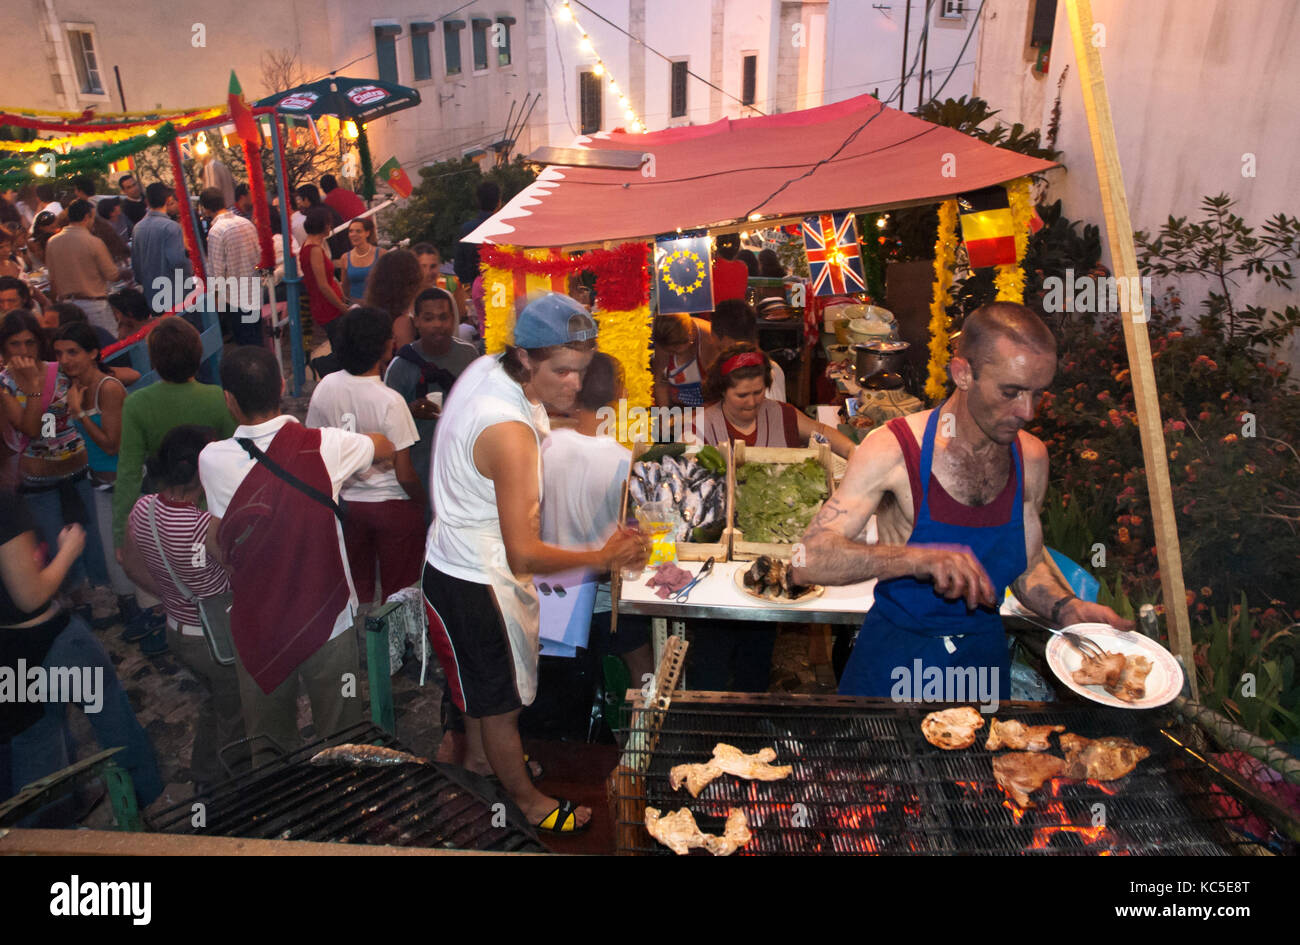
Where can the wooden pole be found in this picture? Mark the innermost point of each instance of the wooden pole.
(1137, 341)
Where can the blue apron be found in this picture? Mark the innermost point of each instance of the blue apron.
(909, 621)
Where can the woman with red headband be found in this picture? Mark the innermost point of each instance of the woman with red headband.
(735, 389)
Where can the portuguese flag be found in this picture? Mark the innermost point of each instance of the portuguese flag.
(391, 173)
(987, 228)
(245, 125)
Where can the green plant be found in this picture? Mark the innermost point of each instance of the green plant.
(1222, 248)
(1247, 672)
(445, 200)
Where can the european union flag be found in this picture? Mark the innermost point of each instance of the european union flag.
(684, 275)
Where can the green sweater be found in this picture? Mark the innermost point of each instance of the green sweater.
(147, 416)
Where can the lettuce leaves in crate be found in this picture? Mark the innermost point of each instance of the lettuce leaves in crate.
(777, 506)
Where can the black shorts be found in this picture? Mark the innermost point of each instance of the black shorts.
(469, 636)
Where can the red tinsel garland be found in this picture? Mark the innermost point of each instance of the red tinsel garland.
(261, 210)
(183, 198)
(182, 122)
(622, 275)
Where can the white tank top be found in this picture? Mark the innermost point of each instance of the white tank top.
(465, 537)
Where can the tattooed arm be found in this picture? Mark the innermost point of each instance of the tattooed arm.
(832, 556)
(1039, 588)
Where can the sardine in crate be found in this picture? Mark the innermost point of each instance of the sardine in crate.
(719, 550)
(780, 456)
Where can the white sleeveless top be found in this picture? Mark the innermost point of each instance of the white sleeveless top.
(465, 537)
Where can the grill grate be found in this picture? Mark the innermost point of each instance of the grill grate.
(866, 781)
(429, 805)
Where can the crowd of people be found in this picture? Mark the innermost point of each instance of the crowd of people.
(249, 544)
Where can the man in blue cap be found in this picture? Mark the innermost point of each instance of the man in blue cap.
(484, 544)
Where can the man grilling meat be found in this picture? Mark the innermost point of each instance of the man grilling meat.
(957, 492)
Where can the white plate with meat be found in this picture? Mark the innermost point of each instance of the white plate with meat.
(1147, 676)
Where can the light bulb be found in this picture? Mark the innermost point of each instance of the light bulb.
(629, 114)
(564, 14)
(598, 69)
(585, 45)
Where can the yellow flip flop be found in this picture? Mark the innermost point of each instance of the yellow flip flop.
(564, 819)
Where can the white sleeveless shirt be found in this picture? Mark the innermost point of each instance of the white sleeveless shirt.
(465, 537)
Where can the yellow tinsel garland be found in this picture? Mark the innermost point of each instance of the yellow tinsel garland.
(499, 309)
(945, 255)
(625, 336)
(1010, 279)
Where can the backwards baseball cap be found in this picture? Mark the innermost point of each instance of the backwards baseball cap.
(553, 319)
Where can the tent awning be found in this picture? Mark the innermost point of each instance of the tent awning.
(777, 165)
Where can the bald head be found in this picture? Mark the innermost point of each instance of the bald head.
(1010, 320)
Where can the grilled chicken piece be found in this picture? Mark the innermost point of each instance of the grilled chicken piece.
(679, 832)
(734, 835)
(1100, 672)
(1013, 734)
(1132, 684)
(1101, 759)
(728, 760)
(952, 728)
(1020, 773)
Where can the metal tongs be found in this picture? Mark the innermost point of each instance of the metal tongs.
(1088, 648)
(679, 597)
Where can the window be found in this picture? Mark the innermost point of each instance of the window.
(1043, 23)
(480, 37)
(678, 109)
(420, 63)
(591, 90)
(386, 50)
(82, 43)
(501, 39)
(749, 80)
(451, 44)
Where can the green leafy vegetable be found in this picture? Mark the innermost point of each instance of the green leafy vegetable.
(776, 506)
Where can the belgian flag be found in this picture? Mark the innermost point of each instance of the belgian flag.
(987, 227)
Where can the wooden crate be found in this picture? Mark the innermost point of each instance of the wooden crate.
(742, 550)
(719, 550)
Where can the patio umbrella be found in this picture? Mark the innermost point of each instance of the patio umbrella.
(358, 100)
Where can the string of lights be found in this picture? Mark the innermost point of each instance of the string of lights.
(564, 13)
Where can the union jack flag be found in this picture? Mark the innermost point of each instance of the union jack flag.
(831, 241)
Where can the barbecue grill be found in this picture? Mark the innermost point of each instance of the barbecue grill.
(866, 781)
(428, 805)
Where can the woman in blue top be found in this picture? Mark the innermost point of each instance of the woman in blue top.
(95, 400)
(360, 259)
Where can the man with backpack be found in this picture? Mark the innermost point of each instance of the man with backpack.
(273, 491)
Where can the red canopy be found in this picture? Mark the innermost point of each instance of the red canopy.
(717, 175)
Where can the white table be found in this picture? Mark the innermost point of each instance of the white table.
(718, 598)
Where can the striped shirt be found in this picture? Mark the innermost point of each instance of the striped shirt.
(233, 252)
(182, 528)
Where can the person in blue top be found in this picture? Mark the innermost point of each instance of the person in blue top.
(357, 262)
(95, 399)
(957, 493)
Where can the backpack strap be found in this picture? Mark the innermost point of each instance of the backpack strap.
(281, 473)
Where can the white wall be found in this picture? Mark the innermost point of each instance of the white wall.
(864, 48)
(1193, 88)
